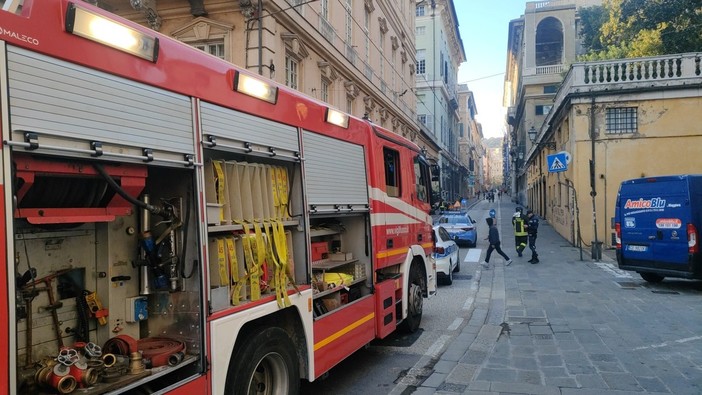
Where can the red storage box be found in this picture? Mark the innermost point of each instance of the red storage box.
(320, 251)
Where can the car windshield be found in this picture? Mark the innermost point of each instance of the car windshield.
(456, 219)
(443, 234)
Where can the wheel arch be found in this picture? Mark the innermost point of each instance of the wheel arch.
(288, 320)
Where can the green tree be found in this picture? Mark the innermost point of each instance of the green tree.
(635, 28)
(591, 20)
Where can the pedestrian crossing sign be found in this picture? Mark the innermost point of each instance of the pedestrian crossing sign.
(557, 162)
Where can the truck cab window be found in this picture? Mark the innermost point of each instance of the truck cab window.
(392, 172)
(422, 179)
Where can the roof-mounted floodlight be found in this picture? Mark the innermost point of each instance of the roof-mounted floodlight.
(87, 24)
(255, 88)
(337, 118)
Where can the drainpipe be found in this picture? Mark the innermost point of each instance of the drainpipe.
(260, 37)
(596, 247)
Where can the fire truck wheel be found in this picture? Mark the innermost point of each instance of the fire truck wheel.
(266, 364)
(415, 300)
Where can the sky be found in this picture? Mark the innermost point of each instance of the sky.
(484, 25)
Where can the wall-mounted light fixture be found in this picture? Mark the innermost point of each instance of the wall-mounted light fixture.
(337, 118)
(547, 144)
(255, 88)
(95, 27)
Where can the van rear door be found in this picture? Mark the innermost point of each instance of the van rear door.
(654, 213)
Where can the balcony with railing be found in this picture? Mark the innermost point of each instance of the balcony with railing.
(368, 71)
(351, 54)
(622, 74)
(537, 5)
(327, 30)
(550, 69)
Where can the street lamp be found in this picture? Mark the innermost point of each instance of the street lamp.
(547, 144)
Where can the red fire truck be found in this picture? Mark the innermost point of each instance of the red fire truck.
(175, 224)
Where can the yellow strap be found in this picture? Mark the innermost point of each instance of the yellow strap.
(234, 271)
(221, 188)
(260, 251)
(222, 263)
(274, 191)
(281, 245)
(274, 267)
(251, 264)
(282, 178)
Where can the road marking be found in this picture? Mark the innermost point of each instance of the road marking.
(456, 323)
(665, 344)
(435, 350)
(473, 255)
(469, 303)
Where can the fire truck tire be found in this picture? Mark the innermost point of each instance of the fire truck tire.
(415, 300)
(266, 364)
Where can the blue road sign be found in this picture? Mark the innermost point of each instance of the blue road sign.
(557, 162)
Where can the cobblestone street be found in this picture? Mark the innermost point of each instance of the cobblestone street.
(566, 326)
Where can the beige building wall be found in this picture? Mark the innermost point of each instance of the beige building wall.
(542, 43)
(357, 55)
(471, 142)
(664, 138)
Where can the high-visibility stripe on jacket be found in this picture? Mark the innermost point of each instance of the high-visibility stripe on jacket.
(519, 229)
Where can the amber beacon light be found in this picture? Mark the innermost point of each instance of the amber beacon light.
(255, 88)
(87, 24)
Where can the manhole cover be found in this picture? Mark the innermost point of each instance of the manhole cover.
(462, 276)
(573, 292)
(666, 292)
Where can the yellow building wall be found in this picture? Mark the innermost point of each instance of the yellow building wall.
(669, 141)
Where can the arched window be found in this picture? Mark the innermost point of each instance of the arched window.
(549, 42)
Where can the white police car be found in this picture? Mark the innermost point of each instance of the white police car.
(446, 255)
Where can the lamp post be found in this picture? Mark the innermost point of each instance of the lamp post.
(517, 155)
(532, 138)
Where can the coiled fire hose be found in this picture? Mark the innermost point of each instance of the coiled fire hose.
(161, 351)
(157, 351)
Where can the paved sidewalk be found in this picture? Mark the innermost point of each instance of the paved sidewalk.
(571, 327)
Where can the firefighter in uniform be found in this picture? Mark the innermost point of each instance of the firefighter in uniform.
(520, 233)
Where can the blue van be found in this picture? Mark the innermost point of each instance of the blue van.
(657, 224)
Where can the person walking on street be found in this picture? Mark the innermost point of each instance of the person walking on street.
(494, 239)
(532, 226)
(520, 233)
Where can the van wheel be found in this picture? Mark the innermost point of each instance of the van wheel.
(266, 364)
(652, 277)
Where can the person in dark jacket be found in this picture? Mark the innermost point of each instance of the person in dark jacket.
(494, 239)
(532, 227)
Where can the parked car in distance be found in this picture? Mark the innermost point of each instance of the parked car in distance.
(461, 227)
(445, 255)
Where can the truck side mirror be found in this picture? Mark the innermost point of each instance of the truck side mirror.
(435, 172)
